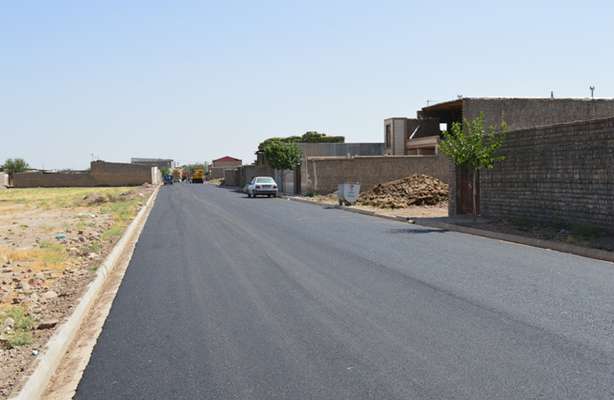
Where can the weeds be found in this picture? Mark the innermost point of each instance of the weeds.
(21, 333)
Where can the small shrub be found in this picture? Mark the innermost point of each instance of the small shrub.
(21, 334)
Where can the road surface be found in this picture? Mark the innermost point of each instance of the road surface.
(234, 298)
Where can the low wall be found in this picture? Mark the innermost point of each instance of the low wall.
(101, 173)
(559, 173)
(323, 174)
(4, 180)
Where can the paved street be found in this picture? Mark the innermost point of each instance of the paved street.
(234, 298)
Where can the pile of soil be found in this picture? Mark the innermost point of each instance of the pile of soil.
(416, 190)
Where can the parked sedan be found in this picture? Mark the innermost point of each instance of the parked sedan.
(262, 186)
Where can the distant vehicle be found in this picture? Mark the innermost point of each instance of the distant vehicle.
(168, 179)
(198, 175)
(262, 186)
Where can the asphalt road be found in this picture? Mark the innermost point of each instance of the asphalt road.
(234, 298)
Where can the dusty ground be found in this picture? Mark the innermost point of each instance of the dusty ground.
(580, 235)
(51, 243)
(440, 210)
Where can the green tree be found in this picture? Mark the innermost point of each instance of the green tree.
(472, 146)
(281, 155)
(307, 137)
(14, 165)
(316, 137)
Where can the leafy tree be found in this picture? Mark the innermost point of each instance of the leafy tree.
(316, 137)
(14, 165)
(281, 154)
(471, 146)
(308, 137)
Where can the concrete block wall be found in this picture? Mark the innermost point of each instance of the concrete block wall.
(559, 173)
(341, 149)
(323, 174)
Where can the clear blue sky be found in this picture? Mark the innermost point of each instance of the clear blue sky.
(195, 80)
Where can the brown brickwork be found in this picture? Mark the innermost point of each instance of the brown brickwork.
(101, 173)
(323, 174)
(559, 173)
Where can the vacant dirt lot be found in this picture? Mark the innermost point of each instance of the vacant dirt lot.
(51, 243)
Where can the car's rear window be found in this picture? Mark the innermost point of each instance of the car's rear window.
(265, 180)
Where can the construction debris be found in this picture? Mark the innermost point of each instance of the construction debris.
(416, 190)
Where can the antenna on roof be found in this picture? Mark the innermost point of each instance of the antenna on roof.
(592, 88)
(428, 102)
(459, 96)
(552, 94)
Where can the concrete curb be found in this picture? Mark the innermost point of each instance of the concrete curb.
(540, 243)
(58, 344)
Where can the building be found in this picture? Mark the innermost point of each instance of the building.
(217, 168)
(411, 136)
(421, 135)
(153, 162)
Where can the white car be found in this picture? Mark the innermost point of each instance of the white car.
(262, 186)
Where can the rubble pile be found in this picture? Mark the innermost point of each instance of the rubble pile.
(416, 190)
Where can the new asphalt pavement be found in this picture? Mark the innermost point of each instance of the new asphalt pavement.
(228, 297)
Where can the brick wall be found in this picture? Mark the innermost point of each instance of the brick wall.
(323, 174)
(232, 177)
(101, 173)
(559, 173)
(247, 172)
(529, 113)
(120, 174)
(40, 179)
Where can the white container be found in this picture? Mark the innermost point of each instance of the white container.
(347, 193)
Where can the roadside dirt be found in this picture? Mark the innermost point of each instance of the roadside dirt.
(51, 243)
(410, 212)
(579, 235)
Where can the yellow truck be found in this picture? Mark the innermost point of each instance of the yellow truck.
(198, 175)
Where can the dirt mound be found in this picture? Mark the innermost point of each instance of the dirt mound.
(91, 199)
(416, 190)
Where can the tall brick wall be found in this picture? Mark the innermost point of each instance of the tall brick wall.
(322, 175)
(559, 173)
(524, 113)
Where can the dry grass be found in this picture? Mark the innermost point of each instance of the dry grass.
(54, 197)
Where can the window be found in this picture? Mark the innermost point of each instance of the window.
(388, 136)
